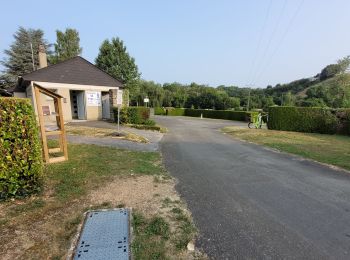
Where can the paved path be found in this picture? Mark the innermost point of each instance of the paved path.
(252, 203)
(153, 137)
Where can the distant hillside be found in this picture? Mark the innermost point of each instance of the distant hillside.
(294, 87)
(333, 92)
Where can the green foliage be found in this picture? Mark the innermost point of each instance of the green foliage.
(149, 240)
(149, 127)
(313, 91)
(216, 114)
(67, 45)
(159, 227)
(159, 111)
(344, 121)
(175, 111)
(333, 69)
(114, 59)
(149, 122)
(133, 115)
(149, 89)
(334, 92)
(309, 120)
(288, 99)
(18, 59)
(20, 149)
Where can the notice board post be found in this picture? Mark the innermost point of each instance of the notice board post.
(119, 104)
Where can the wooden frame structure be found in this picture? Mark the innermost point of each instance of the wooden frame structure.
(60, 131)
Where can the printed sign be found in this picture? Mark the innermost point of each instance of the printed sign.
(93, 99)
(146, 100)
(119, 97)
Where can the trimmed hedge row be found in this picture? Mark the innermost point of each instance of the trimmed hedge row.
(20, 149)
(132, 115)
(216, 114)
(310, 120)
(160, 111)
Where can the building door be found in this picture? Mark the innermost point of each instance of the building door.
(105, 106)
(81, 104)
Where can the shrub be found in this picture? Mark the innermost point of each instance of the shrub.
(216, 114)
(344, 121)
(148, 127)
(132, 115)
(149, 122)
(20, 149)
(175, 111)
(159, 111)
(309, 119)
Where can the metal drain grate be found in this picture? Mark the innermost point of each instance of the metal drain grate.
(105, 236)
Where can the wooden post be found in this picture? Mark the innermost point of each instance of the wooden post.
(57, 111)
(42, 125)
(63, 131)
(59, 122)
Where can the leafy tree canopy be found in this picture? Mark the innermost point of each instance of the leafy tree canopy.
(116, 61)
(67, 45)
(18, 60)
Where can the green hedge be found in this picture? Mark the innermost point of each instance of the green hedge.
(310, 120)
(20, 149)
(216, 114)
(175, 111)
(132, 115)
(159, 111)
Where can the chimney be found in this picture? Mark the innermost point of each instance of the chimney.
(42, 57)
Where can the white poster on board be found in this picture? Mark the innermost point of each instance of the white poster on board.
(93, 99)
(119, 97)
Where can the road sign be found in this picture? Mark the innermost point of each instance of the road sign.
(146, 100)
(119, 97)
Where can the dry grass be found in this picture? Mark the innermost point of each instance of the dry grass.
(329, 149)
(104, 132)
(43, 226)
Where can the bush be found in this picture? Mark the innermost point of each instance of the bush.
(149, 122)
(20, 149)
(309, 119)
(175, 111)
(150, 127)
(159, 111)
(216, 114)
(344, 121)
(132, 115)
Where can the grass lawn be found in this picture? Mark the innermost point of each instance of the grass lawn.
(330, 149)
(43, 225)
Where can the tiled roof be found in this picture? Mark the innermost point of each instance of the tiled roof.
(76, 70)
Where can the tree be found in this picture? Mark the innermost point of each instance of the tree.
(333, 69)
(66, 46)
(288, 99)
(344, 64)
(18, 60)
(114, 59)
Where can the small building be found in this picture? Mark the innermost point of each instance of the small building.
(88, 92)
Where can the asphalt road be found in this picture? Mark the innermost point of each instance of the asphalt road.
(253, 203)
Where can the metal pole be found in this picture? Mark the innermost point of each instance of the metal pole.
(248, 100)
(118, 117)
(31, 47)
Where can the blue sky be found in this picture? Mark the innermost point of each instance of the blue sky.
(230, 42)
